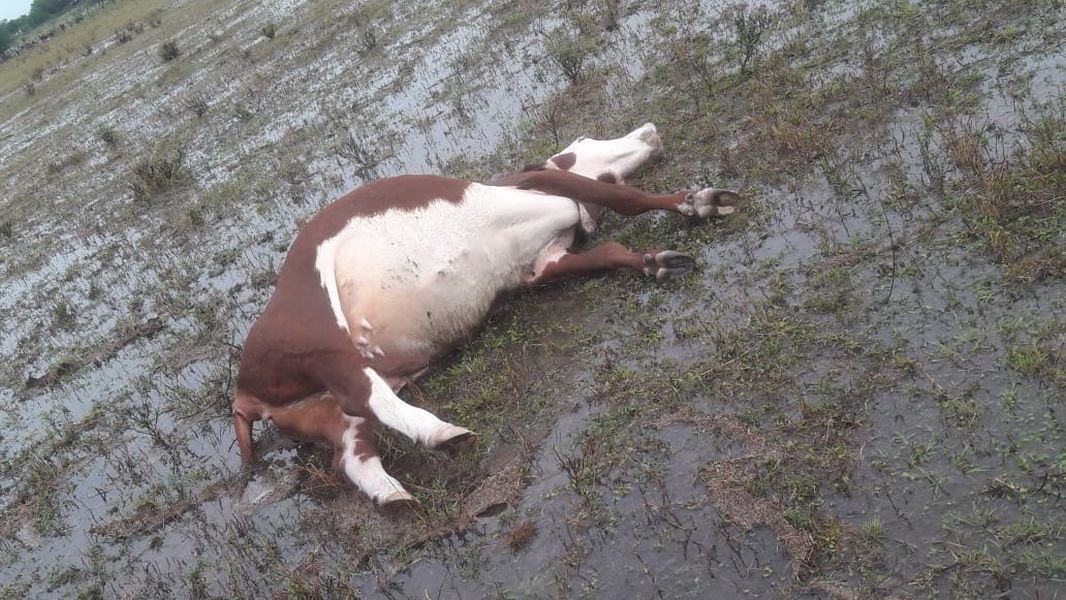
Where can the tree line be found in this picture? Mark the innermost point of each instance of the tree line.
(40, 12)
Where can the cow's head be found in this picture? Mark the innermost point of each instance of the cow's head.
(609, 160)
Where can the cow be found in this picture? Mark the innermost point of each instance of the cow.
(396, 273)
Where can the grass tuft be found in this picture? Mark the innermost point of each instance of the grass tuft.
(520, 534)
(157, 173)
(169, 51)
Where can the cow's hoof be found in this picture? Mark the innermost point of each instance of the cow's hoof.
(451, 437)
(399, 503)
(710, 202)
(667, 265)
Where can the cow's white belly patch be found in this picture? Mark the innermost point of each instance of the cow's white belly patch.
(427, 277)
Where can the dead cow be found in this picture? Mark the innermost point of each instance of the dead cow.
(396, 273)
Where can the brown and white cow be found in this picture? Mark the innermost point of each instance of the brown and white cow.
(396, 273)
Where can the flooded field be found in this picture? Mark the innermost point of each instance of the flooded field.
(858, 394)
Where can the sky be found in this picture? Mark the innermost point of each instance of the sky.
(10, 9)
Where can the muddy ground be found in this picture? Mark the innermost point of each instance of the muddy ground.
(858, 394)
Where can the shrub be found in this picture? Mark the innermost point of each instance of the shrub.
(107, 135)
(750, 25)
(156, 173)
(570, 54)
(62, 315)
(368, 38)
(198, 105)
(168, 51)
(268, 31)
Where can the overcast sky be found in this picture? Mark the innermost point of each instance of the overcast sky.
(10, 9)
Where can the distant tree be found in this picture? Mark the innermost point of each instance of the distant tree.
(16, 26)
(5, 38)
(42, 10)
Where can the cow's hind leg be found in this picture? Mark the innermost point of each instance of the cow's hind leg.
(662, 265)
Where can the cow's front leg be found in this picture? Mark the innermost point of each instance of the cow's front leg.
(623, 199)
(356, 454)
(662, 265)
(361, 392)
(416, 423)
(245, 413)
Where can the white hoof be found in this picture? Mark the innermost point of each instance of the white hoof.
(668, 265)
(449, 436)
(710, 202)
(396, 498)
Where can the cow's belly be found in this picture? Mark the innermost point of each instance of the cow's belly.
(424, 280)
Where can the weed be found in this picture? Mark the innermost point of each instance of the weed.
(749, 25)
(967, 150)
(66, 163)
(269, 30)
(107, 135)
(919, 454)
(196, 581)
(570, 53)
(519, 535)
(962, 411)
(169, 51)
(123, 35)
(832, 291)
(62, 314)
(64, 576)
(197, 105)
(610, 13)
(264, 278)
(1015, 205)
(157, 173)
(1028, 358)
(364, 158)
(873, 531)
(368, 38)
(1043, 563)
